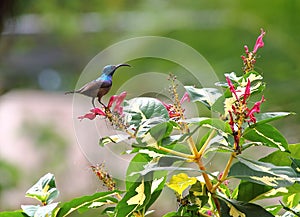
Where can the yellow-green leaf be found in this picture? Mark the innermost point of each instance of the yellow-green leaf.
(140, 197)
(180, 182)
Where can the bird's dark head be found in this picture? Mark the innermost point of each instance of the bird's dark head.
(110, 69)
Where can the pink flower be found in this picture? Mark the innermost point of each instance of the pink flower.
(246, 49)
(93, 114)
(117, 99)
(209, 213)
(226, 182)
(255, 109)
(259, 42)
(185, 97)
(247, 91)
(173, 113)
(231, 88)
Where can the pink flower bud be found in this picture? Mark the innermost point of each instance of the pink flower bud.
(246, 49)
(259, 42)
(231, 88)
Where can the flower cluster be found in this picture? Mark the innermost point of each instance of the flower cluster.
(250, 59)
(239, 112)
(104, 176)
(108, 111)
(173, 110)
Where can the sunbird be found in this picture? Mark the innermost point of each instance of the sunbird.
(101, 86)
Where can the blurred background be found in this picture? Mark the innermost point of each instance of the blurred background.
(45, 45)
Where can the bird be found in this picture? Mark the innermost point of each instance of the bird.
(101, 86)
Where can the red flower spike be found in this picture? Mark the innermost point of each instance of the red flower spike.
(255, 109)
(231, 88)
(172, 109)
(259, 42)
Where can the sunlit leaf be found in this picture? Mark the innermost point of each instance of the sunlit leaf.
(268, 135)
(138, 196)
(180, 182)
(39, 211)
(213, 123)
(234, 208)
(44, 190)
(141, 109)
(296, 165)
(87, 201)
(112, 139)
(273, 209)
(262, 118)
(248, 191)
(263, 173)
(206, 96)
(13, 214)
(137, 164)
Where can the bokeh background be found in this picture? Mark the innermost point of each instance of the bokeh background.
(46, 45)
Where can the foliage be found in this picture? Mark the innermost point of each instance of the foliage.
(163, 140)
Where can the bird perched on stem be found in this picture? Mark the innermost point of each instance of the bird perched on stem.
(99, 87)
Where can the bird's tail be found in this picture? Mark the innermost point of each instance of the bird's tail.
(69, 92)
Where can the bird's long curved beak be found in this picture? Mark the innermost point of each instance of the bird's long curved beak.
(122, 64)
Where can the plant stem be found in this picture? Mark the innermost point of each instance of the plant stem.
(180, 154)
(211, 135)
(205, 176)
(225, 173)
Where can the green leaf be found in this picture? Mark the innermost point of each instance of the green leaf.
(249, 191)
(206, 96)
(296, 165)
(157, 186)
(234, 208)
(39, 211)
(153, 137)
(218, 106)
(17, 213)
(135, 199)
(171, 214)
(141, 109)
(263, 173)
(213, 123)
(295, 150)
(268, 135)
(280, 158)
(292, 212)
(87, 202)
(263, 118)
(112, 139)
(137, 164)
(273, 209)
(198, 194)
(44, 190)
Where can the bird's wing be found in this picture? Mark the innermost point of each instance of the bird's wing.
(92, 88)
